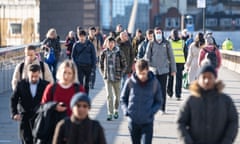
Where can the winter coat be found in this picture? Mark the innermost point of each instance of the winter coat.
(55, 44)
(69, 44)
(142, 49)
(160, 57)
(128, 51)
(73, 131)
(120, 63)
(207, 117)
(16, 74)
(192, 62)
(140, 101)
(84, 53)
(46, 122)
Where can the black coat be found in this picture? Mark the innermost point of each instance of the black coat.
(28, 104)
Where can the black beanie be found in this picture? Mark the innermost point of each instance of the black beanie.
(80, 96)
(207, 68)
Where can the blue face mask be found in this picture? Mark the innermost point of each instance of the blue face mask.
(158, 37)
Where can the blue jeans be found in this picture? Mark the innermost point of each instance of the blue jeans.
(53, 69)
(123, 79)
(141, 133)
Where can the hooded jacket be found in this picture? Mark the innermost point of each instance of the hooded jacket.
(140, 101)
(207, 117)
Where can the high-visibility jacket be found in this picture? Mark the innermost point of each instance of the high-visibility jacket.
(178, 53)
(227, 45)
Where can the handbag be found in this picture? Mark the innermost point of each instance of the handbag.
(185, 80)
(50, 56)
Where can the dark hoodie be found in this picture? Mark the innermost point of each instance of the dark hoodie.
(140, 101)
(208, 117)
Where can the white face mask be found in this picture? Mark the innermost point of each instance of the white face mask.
(158, 37)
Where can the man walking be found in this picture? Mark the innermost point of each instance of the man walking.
(141, 98)
(112, 65)
(84, 56)
(28, 95)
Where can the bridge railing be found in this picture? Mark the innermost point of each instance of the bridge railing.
(231, 60)
(9, 58)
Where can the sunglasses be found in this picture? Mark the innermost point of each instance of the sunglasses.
(82, 105)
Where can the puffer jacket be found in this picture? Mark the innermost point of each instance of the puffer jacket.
(207, 117)
(55, 44)
(141, 101)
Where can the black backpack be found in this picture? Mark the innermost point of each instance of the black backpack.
(212, 57)
(41, 65)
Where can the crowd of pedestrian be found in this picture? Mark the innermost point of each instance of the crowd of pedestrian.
(51, 98)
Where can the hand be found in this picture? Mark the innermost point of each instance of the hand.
(61, 107)
(173, 73)
(17, 117)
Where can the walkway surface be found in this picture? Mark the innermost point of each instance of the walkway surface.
(116, 131)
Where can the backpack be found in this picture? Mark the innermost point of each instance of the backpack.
(50, 57)
(41, 65)
(211, 56)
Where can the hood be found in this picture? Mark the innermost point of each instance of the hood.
(196, 90)
(135, 79)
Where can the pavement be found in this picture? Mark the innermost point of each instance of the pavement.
(116, 131)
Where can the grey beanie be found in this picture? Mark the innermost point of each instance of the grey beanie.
(80, 96)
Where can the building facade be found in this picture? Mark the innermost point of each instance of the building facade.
(19, 21)
(66, 15)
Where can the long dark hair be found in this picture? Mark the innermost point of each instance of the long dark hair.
(199, 40)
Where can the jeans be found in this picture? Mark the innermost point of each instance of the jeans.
(92, 78)
(141, 133)
(123, 79)
(53, 69)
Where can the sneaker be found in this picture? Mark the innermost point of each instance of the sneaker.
(109, 118)
(178, 98)
(162, 112)
(115, 115)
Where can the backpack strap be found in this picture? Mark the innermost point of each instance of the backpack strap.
(22, 66)
(42, 68)
(76, 87)
(21, 70)
(53, 89)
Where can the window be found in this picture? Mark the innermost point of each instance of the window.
(225, 22)
(16, 28)
(210, 22)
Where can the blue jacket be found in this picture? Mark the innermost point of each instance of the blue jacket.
(140, 101)
(84, 53)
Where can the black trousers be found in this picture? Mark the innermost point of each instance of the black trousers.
(163, 82)
(178, 83)
(84, 73)
(25, 129)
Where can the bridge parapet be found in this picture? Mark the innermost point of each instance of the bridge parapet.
(231, 60)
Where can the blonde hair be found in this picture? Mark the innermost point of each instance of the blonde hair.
(50, 32)
(67, 64)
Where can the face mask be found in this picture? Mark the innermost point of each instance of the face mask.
(158, 37)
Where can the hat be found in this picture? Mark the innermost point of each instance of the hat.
(80, 96)
(207, 68)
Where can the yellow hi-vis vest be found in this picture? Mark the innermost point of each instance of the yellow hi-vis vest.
(177, 47)
(227, 45)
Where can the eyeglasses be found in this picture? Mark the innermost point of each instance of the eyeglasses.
(82, 105)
